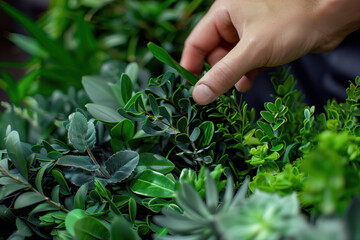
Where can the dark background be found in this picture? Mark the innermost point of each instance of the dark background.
(8, 51)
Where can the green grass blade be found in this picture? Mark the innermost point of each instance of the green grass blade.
(163, 56)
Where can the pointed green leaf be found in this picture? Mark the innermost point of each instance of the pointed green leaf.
(81, 133)
(206, 134)
(126, 88)
(99, 91)
(15, 152)
(153, 104)
(163, 56)
(122, 230)
(104, 113)
(80, 197)
(82, 162)
(124, 130)
(71, 218)
(155, 162)
(153, 184)
(27, 199)
(266, 128)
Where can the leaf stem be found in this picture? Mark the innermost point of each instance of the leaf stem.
(6, 173)
(96, 163)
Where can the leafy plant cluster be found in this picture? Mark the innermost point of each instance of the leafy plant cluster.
(124, 158)
(134, 152)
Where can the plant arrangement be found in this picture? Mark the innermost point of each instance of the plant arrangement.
(128, 158)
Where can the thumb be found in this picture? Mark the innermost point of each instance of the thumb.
(244, 57)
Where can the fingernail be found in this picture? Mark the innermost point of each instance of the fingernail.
(202, 94)
(236, 87)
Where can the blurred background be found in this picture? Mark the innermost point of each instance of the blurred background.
(9, 51)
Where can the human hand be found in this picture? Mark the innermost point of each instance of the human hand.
(241, 37)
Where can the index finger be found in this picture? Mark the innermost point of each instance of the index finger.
(205, 37)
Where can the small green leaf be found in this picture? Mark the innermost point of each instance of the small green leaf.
(15, 152)
(126, 88)
(71, 218)
(278, 123)
(195, 134)
(82, 162)
(206, 134)
(27, 199)
(39, 177)
(81, 133)
(132, 210)
(59, 177)
(104, 113)
(121, 165)
(266, 128)
(153, 184)
(267, 116)
(124, 130)
(10, 188)
(154, 106)
(155, 162)
(182, 124)
(99, 91)
(277, 147)
(278, 103)
(80, 197)
(164, 57)
(307, 114)
(270, 107)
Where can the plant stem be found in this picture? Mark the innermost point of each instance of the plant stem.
(96, 163)
(6, 173)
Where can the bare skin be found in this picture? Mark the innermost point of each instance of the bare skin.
(240, 38)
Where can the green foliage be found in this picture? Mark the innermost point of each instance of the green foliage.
(100, 162)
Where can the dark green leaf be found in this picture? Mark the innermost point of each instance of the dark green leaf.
(126, 88)
(39, 177)
(121, 165)
(182, 124)
(82, 162)
(80, 197)
(121, 230)
(124, 130)
(8, 189)
(132, 209)
(266, 128)
(58, 176)
(27, 199)
(155, 162)
(164, 57)
(153, 104)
